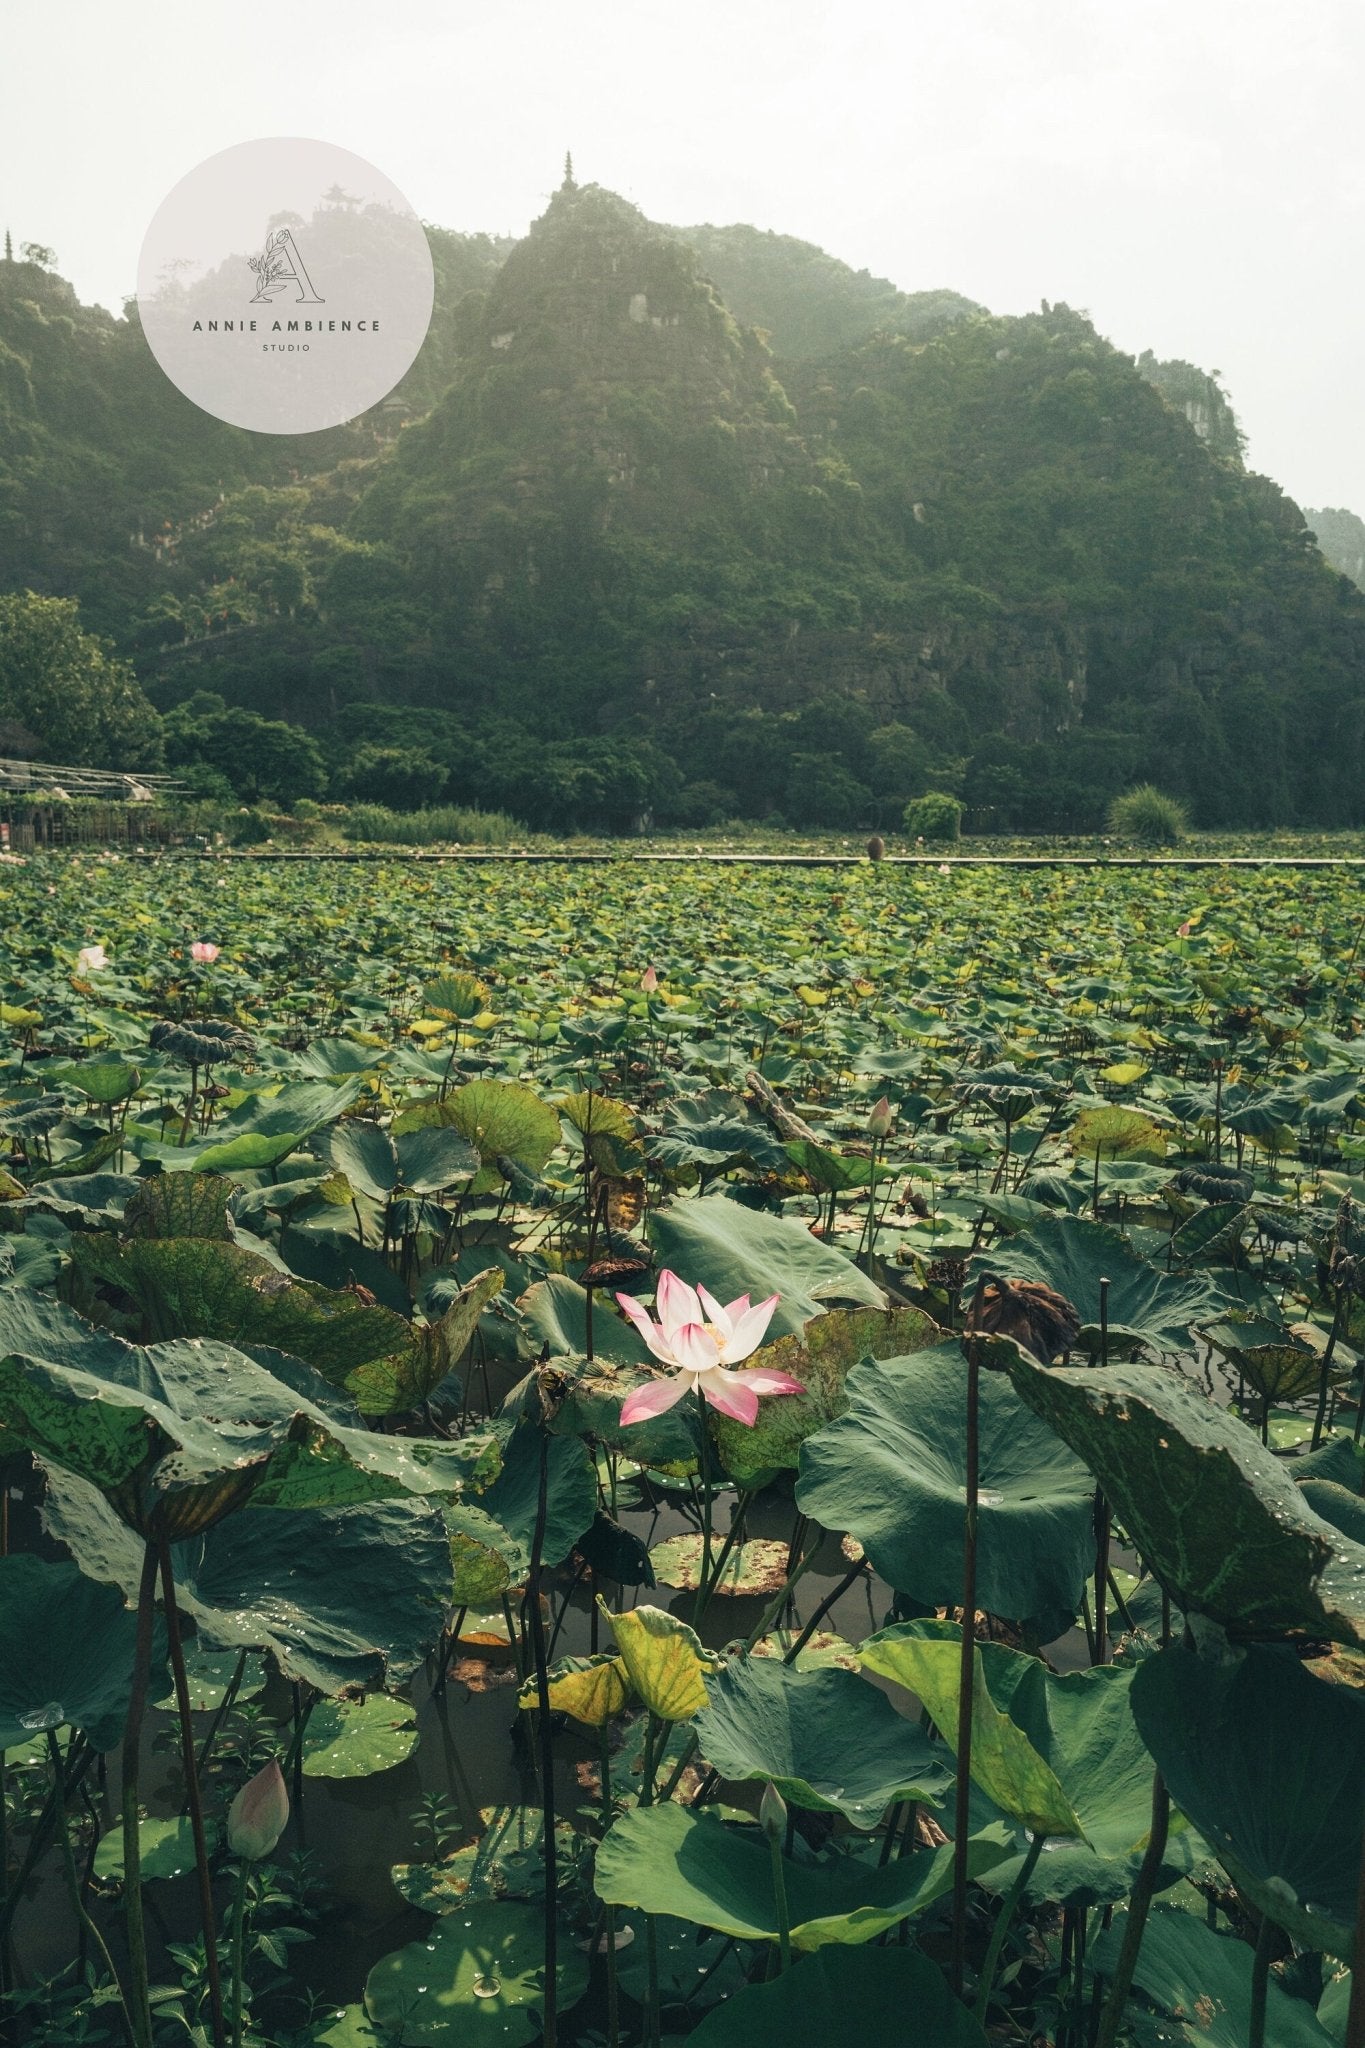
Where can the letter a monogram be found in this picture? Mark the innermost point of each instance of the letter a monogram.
(279, 266)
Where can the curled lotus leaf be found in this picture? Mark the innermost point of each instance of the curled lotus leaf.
(664, 1661)
(205, 1043)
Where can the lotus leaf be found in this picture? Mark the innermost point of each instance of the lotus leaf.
(892, 1472)
(827, 1740)
(694, 1866)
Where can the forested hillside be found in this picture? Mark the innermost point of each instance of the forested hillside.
(701, 522)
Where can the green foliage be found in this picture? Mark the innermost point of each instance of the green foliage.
(935, 817)
(1148, 815)
(625, 548)
(451, 825)
(70, 690)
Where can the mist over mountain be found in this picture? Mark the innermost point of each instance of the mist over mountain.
(701, 521)
(1341, 536)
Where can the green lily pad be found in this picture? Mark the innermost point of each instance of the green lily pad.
(1216, 1517)
(1113, 1132)
(208, 1675)
(1269, 1764)
(751, 1568)
(166, 1849)
(826, 1739)
(198, 1287)
(844, 1994)
(694, 1966)
(227, 1428)
(68, 1653)
(892, 1472)
(1202, 1980)
(820, 1355)
(479, 1975)
(823, 1651)
(342, 1596)
(1053, 1748)
(505, 1860)
(1146, 1308)
(669, 1859)
(719, 1245)
(357, 1738)
(485, 1559)
(349, 2026)
(1272, 1359)
(500, 1119)
(926, 1659)
(571, 1492)
(555, 1312)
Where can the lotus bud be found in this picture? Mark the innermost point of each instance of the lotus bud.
(259, 1814)
(880, 1119)
(649, 981)
(772, 1813)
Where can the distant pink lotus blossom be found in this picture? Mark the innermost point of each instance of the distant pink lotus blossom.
(92, 959)
(649, 981)
(944, 868)
(702, 1342)
(203, 950)
(1182, 931)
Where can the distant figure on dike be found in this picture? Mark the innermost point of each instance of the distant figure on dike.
(876, 848)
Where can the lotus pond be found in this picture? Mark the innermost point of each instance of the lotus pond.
(966, 1643)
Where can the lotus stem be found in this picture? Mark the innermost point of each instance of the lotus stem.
(1260, 1983)
(1008, 1907)
(733, 1535)
(704, 1577)
(546, 1745)
(652, 1961)
(784, 1918)
(967, 1668)
(139, 2002)
(1355, 2018)
(229, 1700)
(830, 1599)
(239, 1949)
(1326, 1374)
(73, 1883)
(193, 1797)
(1112, 2022)
(608, 1815)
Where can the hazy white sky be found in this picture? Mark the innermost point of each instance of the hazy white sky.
(1189, 171)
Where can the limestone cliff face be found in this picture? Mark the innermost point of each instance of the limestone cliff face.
(1020, 676)
(1205, 404)
(1341, 536)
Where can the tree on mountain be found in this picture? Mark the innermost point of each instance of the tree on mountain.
(264, 759)
(71, 689)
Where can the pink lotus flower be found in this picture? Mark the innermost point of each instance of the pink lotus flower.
(703, 1341)
(259, 1814)
(649, 981)
(202, 950)
(1182, 931)
(91, 959)
(880, 1118)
